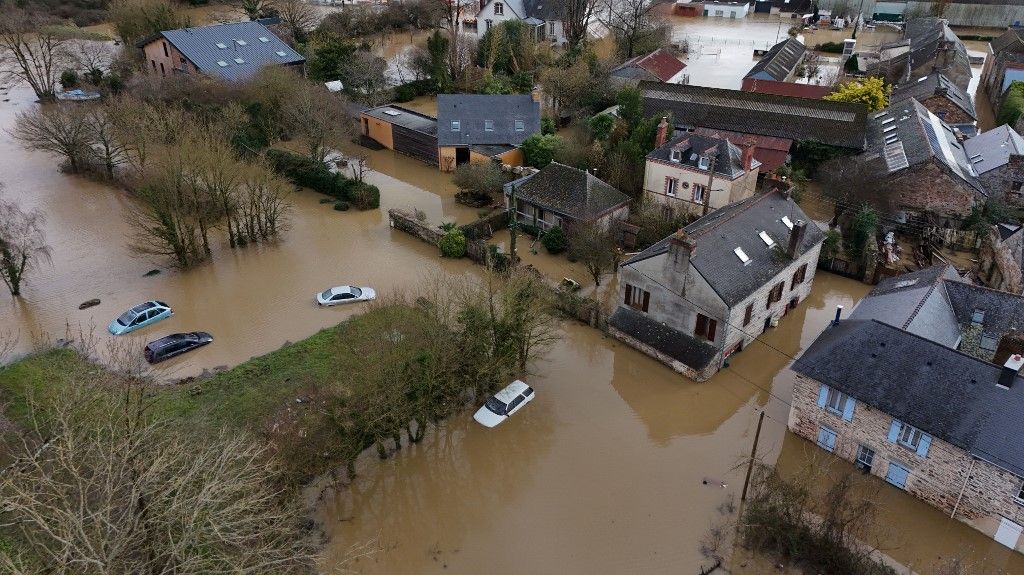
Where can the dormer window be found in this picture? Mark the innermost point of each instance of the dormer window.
(499, 9)
(675, 155)
(456, 125)
(703, 162)
(978, 316)
(488, 125)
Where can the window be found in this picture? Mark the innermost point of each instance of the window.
(706, 327)
(742, 255)
(897, 475)
(670, 186)
(748, 314)
(768, 241)
(827, 438)
(675, 155)
(988, 343)
(637, 298)
(865, 457)
(1020, 494)
(264, 39)
(775, 295)
(551, 28)
(978, 316)
(162, 71)
(719, 12)
(281, 53)
(487, 25)
(153, 62)
(799, 276)
(488, 125)
(499, 9)
(704, 162)
(242, 42)
(698, 193)
(166, 53)
(520, 126)
(835, 400)
(456, 125)
(909, 437)
(222, 63)
(239, 61)
(222, 46)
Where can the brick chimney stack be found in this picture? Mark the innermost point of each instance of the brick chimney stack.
(681, 247)
(796, 237)
(748, 156)
(662, 136)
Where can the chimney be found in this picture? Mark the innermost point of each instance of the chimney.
(536, 94)
(796, 237)
(839, 315)
(662, 136)
(748, 156)
(1011, 369)
(681, 247)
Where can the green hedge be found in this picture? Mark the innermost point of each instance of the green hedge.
(306, 172)
(410, 90)
(1013, 105)
(830, 47)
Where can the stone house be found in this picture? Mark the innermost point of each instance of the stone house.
(906, 391)
(1001, 258)
(695, 174)
(998, 157)
(928, 45)
(942, 97)
(707, 291)
(484, 127)
(921, 162)
(231, 52)
(563, 196)
(544, 17)
(1003, 65)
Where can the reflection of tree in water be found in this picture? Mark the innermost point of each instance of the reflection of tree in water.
(468, 473)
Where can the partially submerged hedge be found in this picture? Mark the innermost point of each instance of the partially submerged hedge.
(306, 172)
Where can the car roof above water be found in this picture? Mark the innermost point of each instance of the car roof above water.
(512, 391)
(167, 339)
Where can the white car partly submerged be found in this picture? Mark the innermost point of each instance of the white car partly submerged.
(345, 294)
(504, 403)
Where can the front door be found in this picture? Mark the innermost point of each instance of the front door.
(767, 324)
(1008, 533)
(461, 156)
(897, 475)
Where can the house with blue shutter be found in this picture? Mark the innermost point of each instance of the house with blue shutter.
(921, 387)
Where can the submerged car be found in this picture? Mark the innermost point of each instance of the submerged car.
(504, 403)
(345, 294)
(175, 344)
(140, 316)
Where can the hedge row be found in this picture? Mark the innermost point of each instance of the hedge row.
(1013, 105)
(309, 173)
(410, 90)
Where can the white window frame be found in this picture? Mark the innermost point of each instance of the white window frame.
(456, 126)
(671, 185)
(551, 28)
(1019, 498)
(488, 125)
(499, 9)
(704, 163)
(824, 429)
(914, 434)
(838, 398)
(865, 456)
(520, 125)
(698, 192)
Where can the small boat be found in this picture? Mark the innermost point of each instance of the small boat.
(77, 95)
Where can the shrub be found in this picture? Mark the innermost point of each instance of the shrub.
(326, 200)
(364, 196)
(341, 206)
(453, 243)
(547, 125)
(539, 150)
(481, 177)
(554, 241)
(830, 47)
(69, 79)
(1013, 105)
(308, 173)
(114, 82)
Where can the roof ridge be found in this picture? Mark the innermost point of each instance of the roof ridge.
(921, 302)
(743, 208)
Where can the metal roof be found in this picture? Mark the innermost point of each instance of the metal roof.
(404, 117)
(484, 119)
(231, 51)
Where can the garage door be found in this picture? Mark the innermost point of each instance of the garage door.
(421, 146)
(1008, 533)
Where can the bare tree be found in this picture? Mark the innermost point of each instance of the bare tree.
(576, 15)
(451, 19)
(364, 76)
(631, 22)
(92, 58)
(30, 54)
(298, 15)
(317, 117)
(59, 130)
(101, 134)
(594, 247)
(136, 19)
(99, 488)
(22, 243)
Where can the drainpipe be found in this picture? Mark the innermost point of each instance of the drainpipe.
(963, 489)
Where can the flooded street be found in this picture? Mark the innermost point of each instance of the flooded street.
(619, 466)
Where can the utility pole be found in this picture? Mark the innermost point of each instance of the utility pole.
(753, 454)
(856, 24)
(513, 225)
(711, 178)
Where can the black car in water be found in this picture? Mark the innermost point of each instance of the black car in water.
(175, 344)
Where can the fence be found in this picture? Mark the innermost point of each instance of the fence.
(967, 240)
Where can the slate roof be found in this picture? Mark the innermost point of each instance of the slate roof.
(241, 40)
(934, 84)
(949, 394)
(404, 117)
(565, 190)
(729, 161)
(1010, 40)
(915, 302)
(990, 150)
(1003, 310)
(906, 134)
(1007, 230)
(927, 35)
(737, 225)
(543, 9)
(473, 110)
(836, 123)
(673, 343)
(779, 62)
(660, 65)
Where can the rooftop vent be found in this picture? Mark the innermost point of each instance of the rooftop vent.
(222, 63)
(742, 255)
(392, 112)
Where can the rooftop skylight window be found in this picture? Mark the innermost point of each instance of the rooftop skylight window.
(742, 255)
(768, 241)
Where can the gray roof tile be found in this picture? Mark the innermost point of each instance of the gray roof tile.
(693, 352)
(568, 191)
(992, 149)
(473, 111)
(934, 84)
(242, 41)
(779, 62)
(691, 146)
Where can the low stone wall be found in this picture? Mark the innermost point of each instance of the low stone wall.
(486, 226)
(408, 223)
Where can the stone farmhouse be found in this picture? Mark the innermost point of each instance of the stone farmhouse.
(921, 387)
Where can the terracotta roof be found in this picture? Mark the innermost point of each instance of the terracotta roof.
(661, 63)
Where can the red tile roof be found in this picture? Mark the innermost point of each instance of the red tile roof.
(662, 63)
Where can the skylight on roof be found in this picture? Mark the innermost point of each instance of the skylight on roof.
(906, 283)
(242, 42)
(222, 63)
(392, 112)
(768, 241)
(881, 114)
(239, 61)
(264, 39)
(222, 45)
(888, 121)
(787, 221)
(282, 53)
(888, 129)
(742, 255)
(922, 79)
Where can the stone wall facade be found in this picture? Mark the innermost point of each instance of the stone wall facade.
(1006, 182)
(999, 262)
(931, 188)
(947, 477)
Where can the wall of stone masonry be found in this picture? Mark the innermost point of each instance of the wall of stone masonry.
(930, 188)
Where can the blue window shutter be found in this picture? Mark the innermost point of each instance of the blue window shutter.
(894, 431)
(821, 436)
(822, 395)
(848, 408)
(925, 443)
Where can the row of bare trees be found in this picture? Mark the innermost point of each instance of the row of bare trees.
(23, 244)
